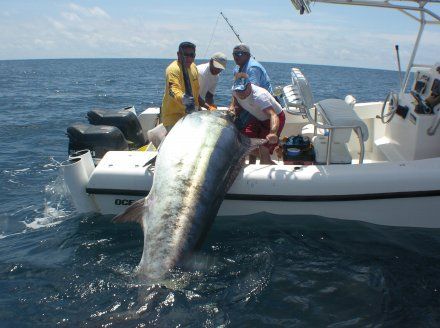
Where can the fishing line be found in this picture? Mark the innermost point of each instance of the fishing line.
(212, 35)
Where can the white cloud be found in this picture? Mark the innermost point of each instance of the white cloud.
(43, 43)
(72, 17)
(58, 26)
(80, 31)
(96, 12)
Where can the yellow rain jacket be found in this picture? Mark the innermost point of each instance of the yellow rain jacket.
(172, 107)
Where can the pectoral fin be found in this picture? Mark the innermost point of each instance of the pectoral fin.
(134, 213)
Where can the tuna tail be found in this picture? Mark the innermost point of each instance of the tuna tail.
(134, 213)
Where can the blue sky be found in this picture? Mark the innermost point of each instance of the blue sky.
(331, 34)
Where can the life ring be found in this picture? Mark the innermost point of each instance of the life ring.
(391, 102)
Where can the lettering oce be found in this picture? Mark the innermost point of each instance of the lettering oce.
(124, 202)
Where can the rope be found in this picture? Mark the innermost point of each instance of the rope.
(212, 35)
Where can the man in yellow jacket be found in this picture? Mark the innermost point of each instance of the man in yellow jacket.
(176, 100)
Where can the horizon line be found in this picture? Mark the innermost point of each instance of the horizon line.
(229, 60)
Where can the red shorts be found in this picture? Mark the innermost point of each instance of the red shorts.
(260, 129)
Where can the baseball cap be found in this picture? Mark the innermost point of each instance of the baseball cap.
(242, 47)
(219, 60)
(187, 44)
(240, 84)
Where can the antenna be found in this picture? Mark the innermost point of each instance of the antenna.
(399, 67)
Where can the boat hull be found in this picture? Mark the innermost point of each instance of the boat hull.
(394, 194)
(401, 212)
(405, 211)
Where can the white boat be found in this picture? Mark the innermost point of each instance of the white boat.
(377, 162)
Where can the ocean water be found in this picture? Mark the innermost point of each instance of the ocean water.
(58, 268)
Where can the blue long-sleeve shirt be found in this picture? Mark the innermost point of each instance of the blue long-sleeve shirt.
(257, 74)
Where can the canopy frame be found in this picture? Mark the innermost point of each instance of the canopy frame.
(408, 7)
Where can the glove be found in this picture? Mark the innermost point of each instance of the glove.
(188, 102)
(211, 107)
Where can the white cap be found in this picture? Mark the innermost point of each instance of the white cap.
(219, 60)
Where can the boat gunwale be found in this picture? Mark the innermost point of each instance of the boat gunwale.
(286, 198)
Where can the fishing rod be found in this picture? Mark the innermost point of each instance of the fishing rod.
(233, 30)
(186, 80)
(232, 27)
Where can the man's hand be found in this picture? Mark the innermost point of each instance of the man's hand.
(211, 107)
(272, 138)
(189, 103)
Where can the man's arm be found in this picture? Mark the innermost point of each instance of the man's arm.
(272, 137)
(209, 98)
(205, 104)
(235, 106)
(232, 104)
(202, 103)
(174, 86)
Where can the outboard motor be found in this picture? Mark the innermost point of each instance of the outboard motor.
(125, 120)
(97, 138)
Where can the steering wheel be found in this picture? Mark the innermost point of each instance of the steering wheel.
(390, 103)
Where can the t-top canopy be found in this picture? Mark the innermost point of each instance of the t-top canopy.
(406, 6)
(302, 6)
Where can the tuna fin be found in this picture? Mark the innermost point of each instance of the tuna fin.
(250, 144)
(233, 173)
(134, 213)
(255, 143)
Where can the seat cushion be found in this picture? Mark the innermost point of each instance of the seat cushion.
(338, 113)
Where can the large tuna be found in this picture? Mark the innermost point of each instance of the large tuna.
(196, 164)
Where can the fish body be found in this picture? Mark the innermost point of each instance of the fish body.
(196, 164)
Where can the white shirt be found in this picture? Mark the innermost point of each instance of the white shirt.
(258, 100)
(207, 81)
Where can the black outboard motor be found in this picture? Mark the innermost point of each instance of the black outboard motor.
(125, 120)
(97, 138)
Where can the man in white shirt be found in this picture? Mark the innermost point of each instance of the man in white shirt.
(208, 76)
(267, 119)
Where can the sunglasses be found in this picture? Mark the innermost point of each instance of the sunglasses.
(189, 54)
(239, 53)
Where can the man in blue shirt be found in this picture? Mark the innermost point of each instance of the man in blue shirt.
(257, 75)
(247, 64)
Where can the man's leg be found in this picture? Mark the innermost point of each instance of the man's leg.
(252, 158)
(267, 150)
(265, 156)
(251, 130)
